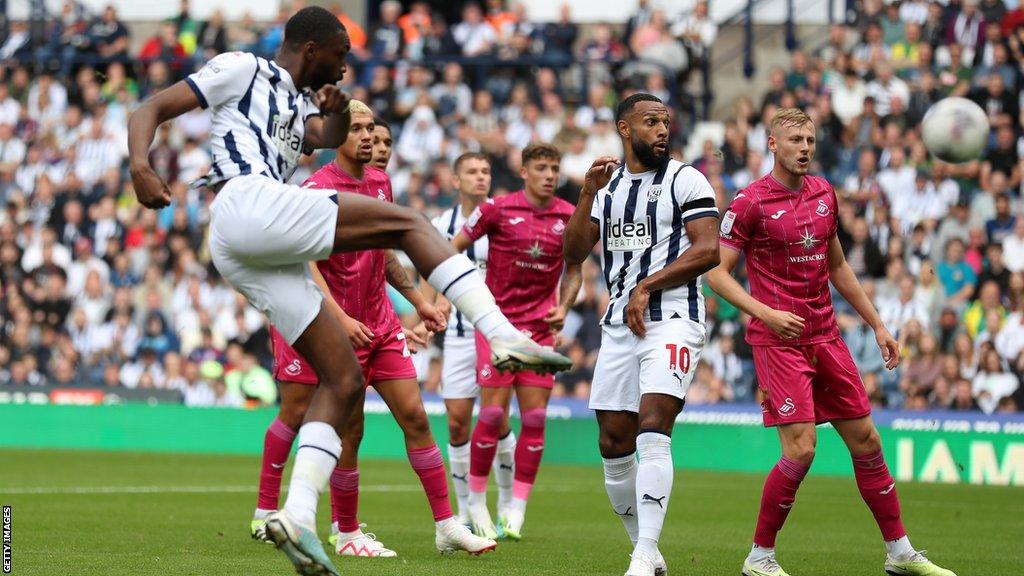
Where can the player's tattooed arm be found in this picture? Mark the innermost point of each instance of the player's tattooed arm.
(165, 105)
(846, 283)
(433, 318)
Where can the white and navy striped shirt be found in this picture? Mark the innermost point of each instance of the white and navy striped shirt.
(258, 116)
(449, 224)
(642, 218)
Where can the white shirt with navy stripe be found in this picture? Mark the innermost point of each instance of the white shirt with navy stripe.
(642, 219)
(258, 116)
(449, 224)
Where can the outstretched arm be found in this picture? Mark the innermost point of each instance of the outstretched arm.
(845, 281)
(165, 105)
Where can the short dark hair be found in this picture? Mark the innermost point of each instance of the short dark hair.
(378, 121)
(469, 156)
(626, 106)
(537, 150)
(312, 24)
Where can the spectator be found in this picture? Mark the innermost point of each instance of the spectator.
(213, 36)
(473, 34)
(559, 37)
(992, 383)
(108, 36)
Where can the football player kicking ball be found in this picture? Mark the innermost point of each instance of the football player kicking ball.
(356, 283)
(785, 224)
(459, 387)
(658, 226)
(524, 266)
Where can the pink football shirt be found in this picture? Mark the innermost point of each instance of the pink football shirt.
(524, 258)
(356, 279)
(785, 235)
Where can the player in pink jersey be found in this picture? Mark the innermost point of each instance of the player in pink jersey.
(524, 266)
(785, 224)
(356, 283)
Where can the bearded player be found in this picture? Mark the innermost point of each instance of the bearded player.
(459, 387)
(658, 226)
(356, 283)
(264, 232)
(524, 266)
(785, 224)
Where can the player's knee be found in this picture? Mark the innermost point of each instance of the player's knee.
(535, 418)
(417, 427)
(292, 412)
(346, 388)
(613, 444)
(492, 416)
(870, 442)
(803, 453)
(458, 432)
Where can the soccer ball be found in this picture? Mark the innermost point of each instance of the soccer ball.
(955, 130)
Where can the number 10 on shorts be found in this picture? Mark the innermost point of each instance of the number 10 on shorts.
(678, 357)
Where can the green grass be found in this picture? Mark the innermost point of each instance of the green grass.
(570, 529)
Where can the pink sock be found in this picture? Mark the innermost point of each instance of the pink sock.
(529, 451)
(277, 443)
(484, 445)
(878, 489)
(345, 498)
(777, 499)
(430, 468)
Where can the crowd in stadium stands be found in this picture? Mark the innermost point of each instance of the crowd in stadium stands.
(96, 290)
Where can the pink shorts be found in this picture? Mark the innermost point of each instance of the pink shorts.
(812, 383)
(386, 358)
(488, 377)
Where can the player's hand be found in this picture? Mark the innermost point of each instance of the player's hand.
(433, 319)
(638, 300)
(331, 100)
(357, 332)
(889, 347)
(556, 318)
(786, 324)
(416, 338)
(599, 174)
(150, 189)
(443, 306)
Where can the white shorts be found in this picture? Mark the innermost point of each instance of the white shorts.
(263, 234)
(663, 362)
(458, 372)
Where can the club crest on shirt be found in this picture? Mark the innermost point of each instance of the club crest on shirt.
(822, 208)
(381, 196)
(559, 227)
(654, 193)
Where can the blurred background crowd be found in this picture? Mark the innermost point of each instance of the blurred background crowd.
(96, 291)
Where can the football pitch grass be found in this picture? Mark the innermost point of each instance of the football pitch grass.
(104, 513)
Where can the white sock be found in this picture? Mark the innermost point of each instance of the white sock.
(620, 483)
(518, 505)
(759, 552)
(315, 460)
(474, 499)
(653, 487)
(442, 524)
(261, 514)
(504, 469)
(458, 280)
(458, 463)
(899, 549)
